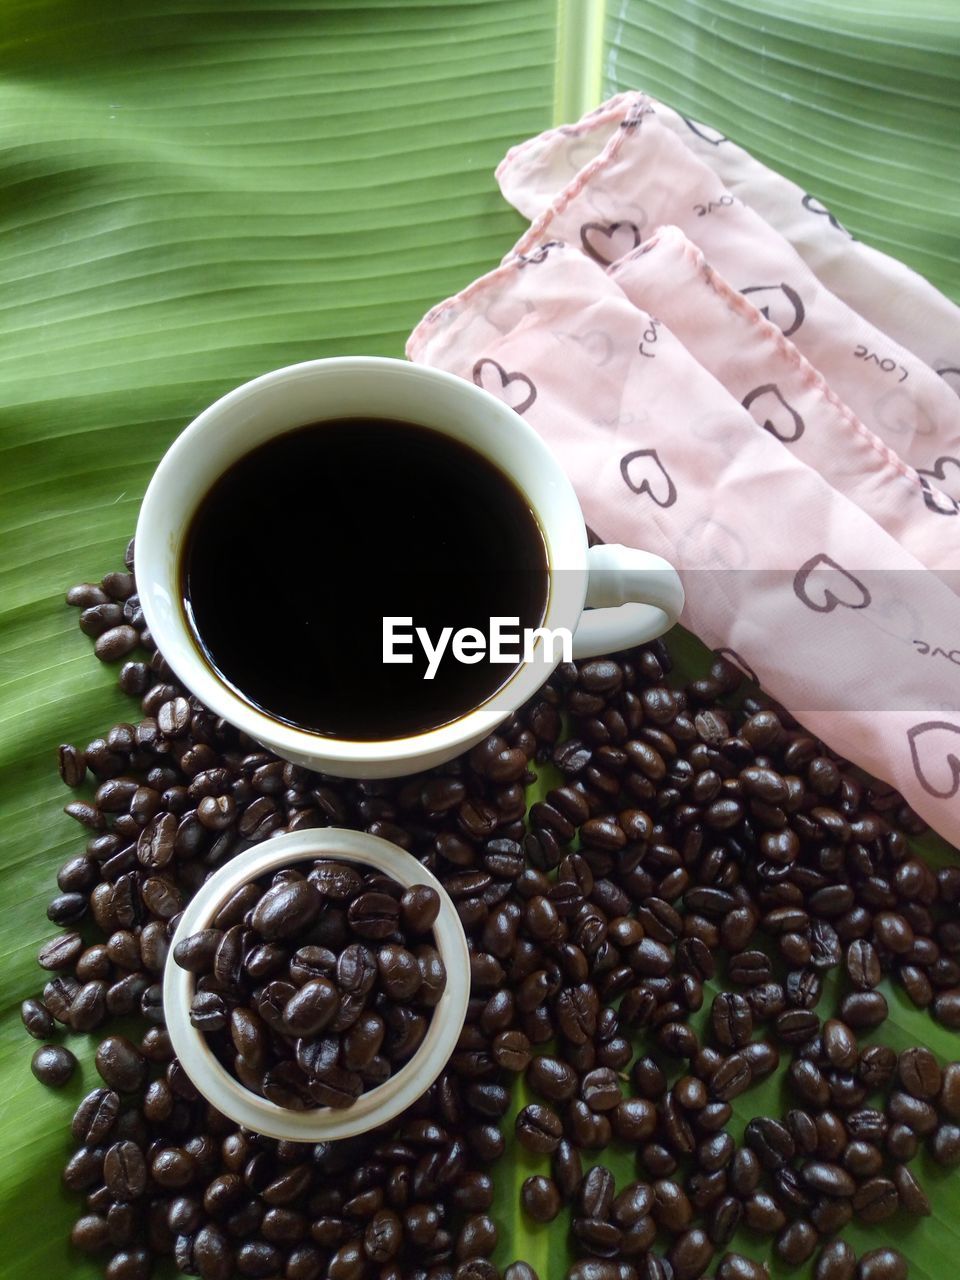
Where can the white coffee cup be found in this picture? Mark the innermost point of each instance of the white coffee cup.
(630, 596)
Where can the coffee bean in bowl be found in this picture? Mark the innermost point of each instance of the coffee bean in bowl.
(319, 994)
(310, 979)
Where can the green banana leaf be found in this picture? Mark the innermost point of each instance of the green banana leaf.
(195, 194)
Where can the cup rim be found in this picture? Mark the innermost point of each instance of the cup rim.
(376, 1106)
(564, 535)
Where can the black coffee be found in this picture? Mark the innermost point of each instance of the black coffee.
(303, 546)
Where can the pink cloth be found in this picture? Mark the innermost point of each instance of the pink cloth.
(880, 288)
(609, 181)
(784, 394)
(837, 620)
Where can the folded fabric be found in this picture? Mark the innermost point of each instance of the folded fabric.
(668, 277)
(784, 573)
(617, 175)
(882, 289)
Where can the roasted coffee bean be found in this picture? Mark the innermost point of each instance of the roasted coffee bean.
(311, 1008)
(433, 976)
(117, 642)
(594, 1269)
(90, 1234)
(98, 618)
(58, 995)
(208, 1011)
(286, 910)
(723, 1219)
(671, 1208)
(731, 1019)
(567, 1170)
(540, 1198)
(588, 1130)
(863, 1010)
(125, 1171)
(690, 1254)
(797, 1242)
(520, 1271)
(863, 964)
(912, 1196)
(154, 946)
(399, 972)
(863, 1159)
(945, 1145)
(95, 1117)
(156, 843)
(716, 1152)
(919, 1073)
(796, 1026)
(419, 907)
(85, 595)
(875, 1200)
(477, 1238)
(833, 1134)
(539, 1128)
(120, 1065)
(946, 1009)
(632, 1204)
(836, 1261)
(552, 1079)
(827, 1179)
(172, 1168)
(576, 1010)
(73, 765)
(36, 1019)
(737, 1266)
(356, 970)
(917, 985)
(882, 1264)
(790, 1192)
(67, 908)
(840, 1045)
(732, 1077)
(948, 1101)
(762, 1214)
(831, 1215)
(597, 1191)
(374, 915)
(750, 968)
(808, 1083)
(512, 1051)
(600, 1089)
(745, 1172)
(877, 1066)
(901, 1142)
(770, 1141)
(893, 931)
(60, 952)
(904, 1108)
(53, 1065)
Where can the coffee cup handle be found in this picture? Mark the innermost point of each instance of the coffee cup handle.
(632, 597)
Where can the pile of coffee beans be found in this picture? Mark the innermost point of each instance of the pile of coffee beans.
(650, 941)
(291, 995)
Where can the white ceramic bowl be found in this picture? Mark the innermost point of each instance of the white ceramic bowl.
(376, 1106)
